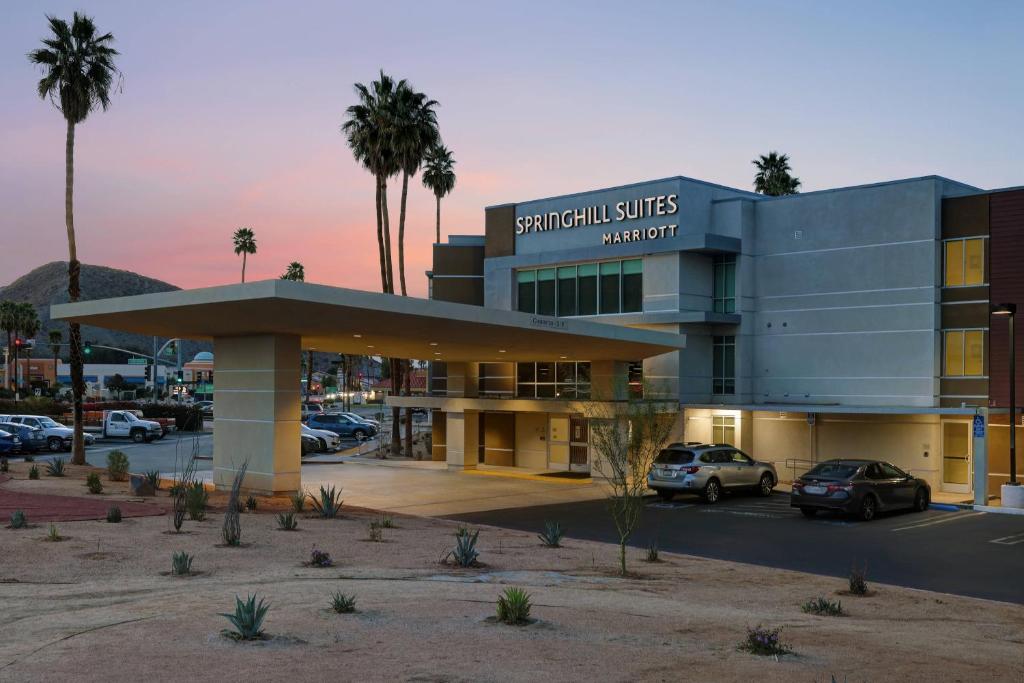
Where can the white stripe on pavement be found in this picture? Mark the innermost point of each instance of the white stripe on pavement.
(1009, 540)
(952, 518)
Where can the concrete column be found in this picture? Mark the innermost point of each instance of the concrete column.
(608, 380)
(257, 397)
(462, 436)
(979, 456)
(463, 380)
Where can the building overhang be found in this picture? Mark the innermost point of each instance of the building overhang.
(453, 404)
(837, 409)
(336, 319)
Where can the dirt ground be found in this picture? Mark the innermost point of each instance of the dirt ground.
(101, 606)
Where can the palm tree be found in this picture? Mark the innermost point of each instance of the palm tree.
(56, 339)
(295, 272)
(27, 323)
(78, 73)
(245, 244)
(773, 176)
(439, 177)
(8, 323)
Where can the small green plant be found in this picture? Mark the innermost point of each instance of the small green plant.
(196, 498)
(514, 607)
(376, 532)
(93, 483)
(153, 479)
(114, 514)
(53, 534)
(33, 472)
(328, 505)
(298, 501)
(286, 521)
(117, 466)
(181, 563)
(319, 558)
(56, 467)
(823, 606)
(28, 457)
(343, 604)
(465, 553)
(247, 619)
(386, 522)
(19, 520)
(4, 466)
(250, 503)
(858, 580)
(652, 552)
(765, 642)
(552, 534)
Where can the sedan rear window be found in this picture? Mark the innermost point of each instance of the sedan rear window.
(670, 456)
(833, 470)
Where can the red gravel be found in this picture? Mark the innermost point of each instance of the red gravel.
(41, 507)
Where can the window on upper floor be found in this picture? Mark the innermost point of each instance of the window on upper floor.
(963, 353)
(608, 287)
(725, 283)
(566, 380)
(723, 373)
(964, 261)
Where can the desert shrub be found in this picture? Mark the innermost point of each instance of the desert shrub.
(247, 619)
(4, 467)
(298, 501)
(56, 467)
(19, 520)
(33, 472)
(231, 530)
(386, 522)
(465, 553)
(113, 514)
(286, 521)
(763, 641)
(514, 607)
(117, 466)
(250, 503)
(376, 532)
(28, 457)
(552, 534)
(196, 498)
(858, 580)
(319, 558)
(93, 483)
(328, 505)
(343, 604)
(181, 563)
(652, 554)
(153, 479)
(53, 534)
(823, 606)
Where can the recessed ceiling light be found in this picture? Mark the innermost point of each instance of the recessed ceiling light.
(358, 336)
(437, 353)
(369, 346)
(563, 357)
(433, 343)
(501, 350)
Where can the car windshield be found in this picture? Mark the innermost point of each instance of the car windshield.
(834, 470)
(131, 417)
(49, 422)
(671, 456)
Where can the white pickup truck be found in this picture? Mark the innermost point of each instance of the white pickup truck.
(125, 424)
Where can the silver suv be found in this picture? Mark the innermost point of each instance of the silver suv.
(708, 469)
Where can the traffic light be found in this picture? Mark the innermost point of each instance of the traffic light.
(172, 348)
(149, 373)
(19, 343)
(181, 376)
(87, 349)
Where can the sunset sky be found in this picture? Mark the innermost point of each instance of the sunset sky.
(229, 116)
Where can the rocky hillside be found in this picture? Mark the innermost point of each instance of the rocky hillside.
(48, 284)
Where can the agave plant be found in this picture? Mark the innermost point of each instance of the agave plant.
(552, 534)
(19, 520)
(153, 479)
(247, 619)
(251, 503)
(343, 604)
(56, 467)
(328, 505)
(286, 521)
(53, 534)
(465, 553)
(514, 607)
(181, 563)
(33, 472)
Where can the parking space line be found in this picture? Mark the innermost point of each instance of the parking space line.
(951, 518)
(1009, 540)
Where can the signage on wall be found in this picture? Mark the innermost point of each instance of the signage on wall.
(651, 207)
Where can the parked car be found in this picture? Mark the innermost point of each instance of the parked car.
(58, 436)
(311, 409)
(205, 406)
(326, 440)
(357, 416)
(9, 443)
(32, 438)
(708, 470)
(310, 444)
(342, 425)
(124, 424)
(859, 487)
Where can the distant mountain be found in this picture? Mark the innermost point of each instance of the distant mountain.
(48, 284)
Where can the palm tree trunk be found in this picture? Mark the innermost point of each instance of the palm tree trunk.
(380, 239)
(386, 220)
(74, 292)
(408, 411)
(7, 363)
(401, 232)
(438, 198)
(309, 373)
(243, 267)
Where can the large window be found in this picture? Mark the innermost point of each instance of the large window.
(587, 289)
(725, 283)
(635, 379)
(438, 378)
(553, 380)
(964, 262)
(723, 375)
(723, 429)
(964, 353)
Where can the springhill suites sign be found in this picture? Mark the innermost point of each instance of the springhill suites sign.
(651, 208)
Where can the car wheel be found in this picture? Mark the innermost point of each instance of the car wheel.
(766, 485)
(809, 512)
(359, 434)
(138, 436)
(921, 500)
(868, 508)
(55, 444)
(666, 495)
(712, 491)
(321, 444)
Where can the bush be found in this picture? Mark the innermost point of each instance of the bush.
(92, 481)
(19, 520)
(117, 466)
(56, 467)
(318, 558)
(181, 564)
(823, 606)
(286, 521)
(4, 467)
(247, 619)
(33, 472)
(386, 522)
(53, 534)
(153, 479)
(250, 503)
(514, 607)
(652, 553)
(113, 514)
(766, 642)
(858, 582)
(465, 553)
(343, 604)
(376, 532)
(552, 534)
(196, 498)
(28, 457)
(299, 501)
(329, 504)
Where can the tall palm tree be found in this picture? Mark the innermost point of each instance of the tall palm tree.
(245, 244)
(78, 74)
(56, 339)
(295, 272)
(439, 176)
(8, 323)
(773, 175)
(27, 324)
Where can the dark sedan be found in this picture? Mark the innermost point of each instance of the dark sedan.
(859, 487)
(9, 443)
(32, 439)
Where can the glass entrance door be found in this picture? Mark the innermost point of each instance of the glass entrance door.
(558, 442)
(956, 456)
